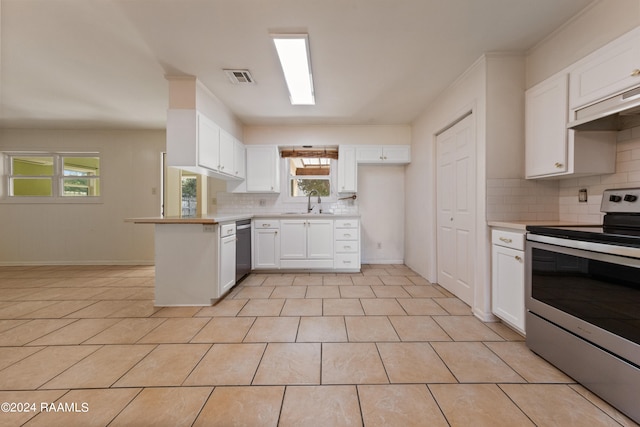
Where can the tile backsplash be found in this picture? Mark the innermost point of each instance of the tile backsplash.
(540, 200)
(276, 203)
(627, 175)
(522, 200)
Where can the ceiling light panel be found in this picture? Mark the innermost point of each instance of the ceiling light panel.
(293, 52)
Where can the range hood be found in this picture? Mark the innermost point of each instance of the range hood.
(616, 113)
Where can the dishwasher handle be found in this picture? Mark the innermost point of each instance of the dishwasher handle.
(243, 227)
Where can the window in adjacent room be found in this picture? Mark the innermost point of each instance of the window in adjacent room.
(53, 176)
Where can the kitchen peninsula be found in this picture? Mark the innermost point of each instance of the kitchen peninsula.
(195, 257)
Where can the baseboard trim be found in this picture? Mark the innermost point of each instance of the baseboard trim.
(382, 261)
(74, 263)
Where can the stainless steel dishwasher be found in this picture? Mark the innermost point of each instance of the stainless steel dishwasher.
(243, 248)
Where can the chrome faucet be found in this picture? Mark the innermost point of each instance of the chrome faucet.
(309, 207)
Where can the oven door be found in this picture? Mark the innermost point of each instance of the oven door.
(595, 296)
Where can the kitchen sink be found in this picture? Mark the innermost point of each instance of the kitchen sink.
(304, 213)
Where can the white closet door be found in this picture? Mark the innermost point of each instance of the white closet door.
(456, 208)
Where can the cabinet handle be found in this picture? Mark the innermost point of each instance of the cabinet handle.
(347, 235)
(504, 239)
(347, 247)
(385, 157)
(635, 73)
(266, 225)
(347, 262)
(558, 165)
(518, 258)
(347, 224)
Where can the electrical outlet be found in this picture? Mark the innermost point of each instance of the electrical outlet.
(263, 202)
(154, 191)
(379, 245)
(582, 195)
(209, 228)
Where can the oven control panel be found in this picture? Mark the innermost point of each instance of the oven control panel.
(626, 200)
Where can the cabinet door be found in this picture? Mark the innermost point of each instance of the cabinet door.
(320, 239)
(263, 171)
(400, 154)
(266, 248)
(227, 151)
(239, 160)
(369, 154)
(608, 71)
(208, 143)
(347, 170)
(546, 113)
(293, 239)
(508, 286)
(227, 263)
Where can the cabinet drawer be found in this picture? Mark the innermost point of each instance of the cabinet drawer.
(347, 234)
(227, 230)
(508, 239)
(266, 223)
(346, 223)
(346, 261)
(346, 246)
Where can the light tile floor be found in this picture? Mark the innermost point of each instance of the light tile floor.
(380, 348)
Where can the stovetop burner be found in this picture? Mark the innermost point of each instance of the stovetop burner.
(621, 224)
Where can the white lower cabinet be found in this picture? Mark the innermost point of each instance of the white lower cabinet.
(507, 278)
(303, 243)
(227, 255)
(347, 244)
(266, 244)
(306, 243)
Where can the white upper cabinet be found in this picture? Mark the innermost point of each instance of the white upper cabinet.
(546, 132)
(227, 153)
(388, 154)
(239, 160)
(263, 169)
(552, 151)
(197, 144)
(208, 143)
(347, 169)
(608, 71)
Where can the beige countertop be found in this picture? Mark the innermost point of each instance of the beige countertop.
(522, 225)
(205, 219)
(219, 218)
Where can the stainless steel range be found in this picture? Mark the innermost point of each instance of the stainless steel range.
(583, 300)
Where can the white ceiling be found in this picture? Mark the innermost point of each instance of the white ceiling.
(101, 63)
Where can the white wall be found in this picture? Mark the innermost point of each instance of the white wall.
(493, 89)
(381, 199)
(467, 93)
(87, 233)
(327, 135)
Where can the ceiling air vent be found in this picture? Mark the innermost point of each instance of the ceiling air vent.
(240, 77)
